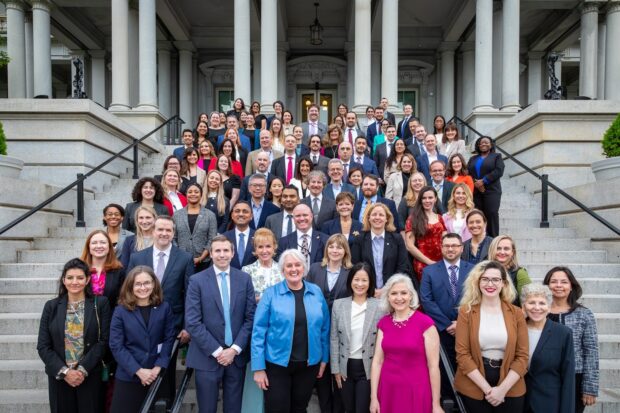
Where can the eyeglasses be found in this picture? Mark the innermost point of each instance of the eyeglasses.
(145, 284)
(451, 246)
(494, 281)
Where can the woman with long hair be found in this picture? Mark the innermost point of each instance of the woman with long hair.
(566, 310)
(202, 132)
(278, 109)
(343, 110)
(398, 180)
(206, 152)
(214, 200)
(237, 107)
(491, 342)
(145, 221)
(230, 180)
(439, 123)
(459, 205)
(332, 139)
(451, 143)
(113, 215)
(146, 192)
(302, 170)
(173, 198)
(476, 248)
(392, 163)
(239, 154)
(287, 122)
(171, 162)
(260, 121)
(277, 135)
(274, 190)
(503, 249)
(456, 171)
(190, 172)
(423, 231)
(227, 148)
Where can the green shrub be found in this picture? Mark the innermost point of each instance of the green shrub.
(2, 141)
(611, 139)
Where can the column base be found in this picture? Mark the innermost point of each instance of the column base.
(146, 107)
(484, 109)
(485, 121)
(266, 108)
(360, 108)
(118, 107)
(144, 121)
(511, 108)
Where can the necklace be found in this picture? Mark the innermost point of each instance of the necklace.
(402, 323)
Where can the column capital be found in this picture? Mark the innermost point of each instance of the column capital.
(468, 47)
(613, 7)
(448, 46)
(44, 5)
(185, 46)
(589, 6)
(535, 54)
(164, 45)
(15, 4)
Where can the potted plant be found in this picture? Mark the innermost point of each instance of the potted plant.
(9, 166)
(610, 167)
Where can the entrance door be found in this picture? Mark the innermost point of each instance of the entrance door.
(325, 99)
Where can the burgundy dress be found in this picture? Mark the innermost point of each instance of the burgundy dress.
(404, 383)
(429, 244)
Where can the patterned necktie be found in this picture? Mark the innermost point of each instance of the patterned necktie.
(305, 246)
(358, 160)
(161, 266)
(289, 225)
(315, 207)
(350, 136)
(228, 339)
(346, 172)
(241, 248)
(453, 280)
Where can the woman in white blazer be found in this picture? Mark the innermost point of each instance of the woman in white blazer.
(353, 336)
(397, 182)
(451, 142)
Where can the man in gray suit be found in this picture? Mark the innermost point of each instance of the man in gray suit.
(320, 162)
(323, 209)
(282, 223)
(266, 143)
(313, 126)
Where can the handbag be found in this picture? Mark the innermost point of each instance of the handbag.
(105, 371)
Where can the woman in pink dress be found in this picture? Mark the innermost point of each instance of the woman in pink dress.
(404, 376)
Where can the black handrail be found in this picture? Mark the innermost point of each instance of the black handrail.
(79, 182)
(178, 400)
(150, 396)
(545, 184)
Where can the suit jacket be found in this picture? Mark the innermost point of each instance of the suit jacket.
(446, 193)
(455, 147)
(129, 221)
(248, 258)
(395, 255)
(388, 202)
(352, 164)
(326, 212)
(436, 296)
(394, 187)
(406, 132)
(333, 226)
(318, 275)
(390, 117)
(317, 246)
(135, 345)
(122, 237)
(414, 148)
(113, 283)
(369, 166)
(179, 152)
(358, 131)
(321, 130)
(550, 380)
(328, 192)
(372, 131)
(245, 141)
(268, 209)
(205, 317)
(278, 167)
(176, 276)
(205, 230)
(492, 170)
(244, 193)
(340, 337)
(250, 167)
(51, 340)
(380, 158)
(424, 165)
(222, 220)
(322, 163)
(274, 223)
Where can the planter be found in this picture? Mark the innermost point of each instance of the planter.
(10, 167)
(606, 168)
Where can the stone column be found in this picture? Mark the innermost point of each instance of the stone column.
(163, 77)
(147, 37)
(467, 103)
(375, 74)
(29, 57)
(42, 48)
(242, 50)
(134, 60)
(120, 55)
(423, 114)
(588, 50)
(255, 71)
(97, 76)
(209, 89)
(447, 79)
(389, 51)
(600, 66)
(282, 72)
(612, 52)
(510, 56)
(535, 76)
(362, 55)
(349, 48)
(186, 50)
(483, 92)
(268, 54)
(16, 49)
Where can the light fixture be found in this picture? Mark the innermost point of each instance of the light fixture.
(316, 29)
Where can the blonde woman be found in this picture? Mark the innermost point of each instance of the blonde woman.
(491, 342)
(504, 250)
(398, 181)
(214, 200)
(277, 135)
(417, 181)
(460, 204)
(331, 273)
(173, 198)
(145, 217)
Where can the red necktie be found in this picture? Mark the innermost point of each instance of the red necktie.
(350, 137)
(289, 170)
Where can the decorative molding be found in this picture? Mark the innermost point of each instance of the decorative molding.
(589, 7)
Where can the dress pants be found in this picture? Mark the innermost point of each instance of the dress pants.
(208, 388)
(330, 400)
(510, 405)
(356, 389)
(128, 396)
(290, 388)
(448, 343)
(489, 202)
(81, 399)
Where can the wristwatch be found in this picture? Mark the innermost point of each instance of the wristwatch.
(62, 373)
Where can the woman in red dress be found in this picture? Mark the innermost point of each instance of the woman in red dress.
(423, 231)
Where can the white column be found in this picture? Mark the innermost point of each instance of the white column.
(534, 76)
(600, 66)
(467, 102)
(16, 49)
(29, 57)
(120, 55)
(588, 50)
(268, 54)
(209, 90)
(375, 74)
(612, 52)
(362, 54)
(147, 38)
(510, 56)
(483, 95)
(134, 59)
(185, 81)
(242, 50)
(97, 76)
(423, 110)
(349, 48)
(447, 79)
(282, 53)
(389, 57)
(163, 78)
(42, 48)
(255, 72)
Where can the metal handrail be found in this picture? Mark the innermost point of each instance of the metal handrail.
(185, 382)
(79, 182)
(150, 396)
(545, 185)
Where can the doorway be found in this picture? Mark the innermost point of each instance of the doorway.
(324, 98)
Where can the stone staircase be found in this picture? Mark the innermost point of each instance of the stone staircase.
(26, 284)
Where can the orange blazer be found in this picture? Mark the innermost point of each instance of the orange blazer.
(469, 355)
(463, 179)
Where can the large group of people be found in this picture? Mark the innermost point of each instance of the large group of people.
(341, 258)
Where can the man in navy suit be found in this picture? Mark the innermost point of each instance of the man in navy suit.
(336, 175)
(370, 187)
(219, 315)
(310, 242)
(416, 145)
(361, 157)
(345, 154)
(440, 294)
(383, 150)
(351, 131)
(442, 187)
(402, 129)
(284, 167)
(261, 208)
(432, 154)
(188, 142)
(241, 235)
(322, 207)
(375, 128)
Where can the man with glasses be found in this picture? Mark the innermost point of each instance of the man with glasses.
(261, 208)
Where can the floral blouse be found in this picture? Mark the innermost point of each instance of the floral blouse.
(74, 333)
(263, 278)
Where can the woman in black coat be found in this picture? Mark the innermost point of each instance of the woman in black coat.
(75, 317)
(486, 168)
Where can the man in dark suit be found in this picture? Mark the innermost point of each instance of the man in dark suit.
(323, 209)
(431, 154)
(188, 142)
(370, 187)
(241, 235)
(336, 184)
(375, 128)
(284, 167)
(261, 162)
(320, 162)
(416, 146)
(386, 114)
(444, 188)
(313, 126)
(351, 131)
(362, 157)
(282, 223)
(266, 142)
(385, 149)
(310, 242)
(345, 154)
(173, 268)
(261, 208)
(220, 312)
(440, 293)
(403, 129)
(233, 123)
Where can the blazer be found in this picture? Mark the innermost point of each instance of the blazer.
(395, 255)
(404, 211)
(205, 230)
(407, 132)
(380, 157)
(469, 356)
(317, 246)
(245, 141)
(321, 130)
(113, 282)
(388, 202)
(268, 209)
(205, 317)
(394, 189)
(372, 131)
(278, 166)
(250, 168)
(550, 380)
(414, 148)
(340, 337)
(351, 164)
(222, 220)
(300, 191)
(201, 175)
(368, 165)
(326, 212)
(424, 165)
(318, 275)
(176, 276)
(122, 236)
(248, 258)
(274, 223)
(328, 192)
(51, 341)
(322, 163)
(136, 345)
(180, 152)
(456, 147)
(169, 205)
(446, 193)
(274, 323)
(129, 221)
(435, 293)
(491, 171)
(333, 226)
(449, 221)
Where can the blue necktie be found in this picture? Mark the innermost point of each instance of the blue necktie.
(226, 305)
(241, 248)
(453, 281)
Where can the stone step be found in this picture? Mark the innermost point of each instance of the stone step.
(71, 231)
(505, 222)
(542, 256)
(581, 271)
(520, 231)
(30, 270)
(518, 212)
(19, 323)
(32, 303)
(609, 373)
(609, 346)
(17, 286)
(599, 303)
(547, 244)
(18, 347)
(35, 256)
(596, 285)
(22, 375)
(607, 323)
(69, 243)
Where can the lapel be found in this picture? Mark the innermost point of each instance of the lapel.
(314, 249)
(347, 318)
(202, 215)
(233, 287)
(138, 316)
(371, 309)
(212, 286)
(248, 246)
(367, 249)
(341, 281)
(89, 315)
(388, 245)
(169, 266)
(184, 221)
(546, 334)
(59, 322)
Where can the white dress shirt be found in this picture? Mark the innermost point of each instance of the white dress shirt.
(175, 200)
(156, 252)
(245, 239)
(358, 315)
(219, 285)
(300, 239)
(285, 222)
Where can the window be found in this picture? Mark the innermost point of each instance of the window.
(225, 99)
(409, 97)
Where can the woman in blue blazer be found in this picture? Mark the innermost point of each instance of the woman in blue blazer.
(550, 379)
(344, 224)
(141, 336)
